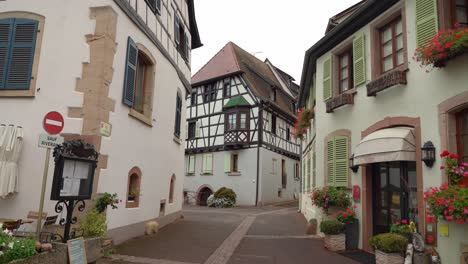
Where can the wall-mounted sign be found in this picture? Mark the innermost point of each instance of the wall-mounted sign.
(76, 251)
(105, 129)
(356, 193)
(49, 141)
(53, 123)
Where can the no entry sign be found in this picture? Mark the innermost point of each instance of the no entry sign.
(53, 123)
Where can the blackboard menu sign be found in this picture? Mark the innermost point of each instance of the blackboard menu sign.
(76, 251)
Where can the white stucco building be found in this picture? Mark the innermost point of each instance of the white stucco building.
(118, 62)
(240, 117)
(373, 102)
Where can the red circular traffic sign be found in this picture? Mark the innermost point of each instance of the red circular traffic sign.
(53, 122)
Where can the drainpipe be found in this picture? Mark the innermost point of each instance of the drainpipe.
(259, 144)
(301, 173)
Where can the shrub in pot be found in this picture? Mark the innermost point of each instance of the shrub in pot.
(334, 236)
(12, 248)
(222, 198)
(389, 248)
(348, 218)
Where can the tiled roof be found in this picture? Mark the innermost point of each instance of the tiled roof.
(232, 59)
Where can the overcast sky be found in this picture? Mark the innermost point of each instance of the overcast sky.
(278, 30)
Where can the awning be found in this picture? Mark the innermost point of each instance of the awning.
(390, 144)
(11, 143)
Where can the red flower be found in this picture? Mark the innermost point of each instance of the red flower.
(355, 206)
(457, 24)
(444, 186)
(397, 223)
(453, 156)
(458, 36)
(451, 208)
(404, 221)
(449, 218)
(460, 221)
(430, 219)
(345, 215)
(442, 167)
(445, 153)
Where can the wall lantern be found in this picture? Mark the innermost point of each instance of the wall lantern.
(428, 153)
(353, 167)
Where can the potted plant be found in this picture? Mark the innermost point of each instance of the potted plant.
(133, 194)
(449, 202)
(404, 228)
(457, 173)
(334, 236)
(389, 248)
(328, 198)
(444, 46)
(12, 248)
(106, 200)
(303, 122)
(348, 218)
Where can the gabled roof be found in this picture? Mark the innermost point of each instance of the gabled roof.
(340, 17)
(236, 101)
(232, 59)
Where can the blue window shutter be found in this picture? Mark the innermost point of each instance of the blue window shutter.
(130, 72)
(6, 28)
(21, 54)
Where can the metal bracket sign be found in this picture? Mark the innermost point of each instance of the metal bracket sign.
(49, 141)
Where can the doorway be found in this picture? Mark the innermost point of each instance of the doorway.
(203, 196)
(394, 194)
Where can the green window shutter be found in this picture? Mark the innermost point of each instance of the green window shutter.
(309, 173)
(227, 162)
(191, 167)
(314, 176)
(359, 60)
(130, 73)
(426, 20)
(330, 162)
(6, 28)
(327, 79)
(21, 54)
(341, 161)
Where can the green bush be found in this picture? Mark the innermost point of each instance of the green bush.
(332, 227)
(389, 242)
(94, 224)
(224, 192)
(13, 248)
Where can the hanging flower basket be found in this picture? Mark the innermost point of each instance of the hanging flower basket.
(303, 122)
(449, 202)
(444, 46)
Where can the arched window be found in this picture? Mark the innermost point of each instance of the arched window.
(171, 189)
(133, 188)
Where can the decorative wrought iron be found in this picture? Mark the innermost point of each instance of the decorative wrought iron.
(70, 205)
(76, 149)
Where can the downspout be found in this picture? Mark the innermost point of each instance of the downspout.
(301, 173)
(259, 144)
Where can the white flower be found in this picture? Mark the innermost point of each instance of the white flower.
(1, 225)
(10, 245)
(1, 253)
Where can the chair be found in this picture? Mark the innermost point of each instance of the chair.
(46, 236)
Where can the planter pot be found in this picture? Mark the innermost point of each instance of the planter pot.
(352, 234)
(388, 258)
(335, 242)
(441, 63)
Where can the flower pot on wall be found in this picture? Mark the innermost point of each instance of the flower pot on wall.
(352, 234)
(335, 242)
(388, 258)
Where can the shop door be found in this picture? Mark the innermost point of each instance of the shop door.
(394, 194)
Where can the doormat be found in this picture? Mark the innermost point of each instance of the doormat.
(360, 256)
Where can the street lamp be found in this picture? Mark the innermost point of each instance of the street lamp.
(428, 153)
(353, 167)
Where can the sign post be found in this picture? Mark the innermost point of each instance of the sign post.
(53, 124)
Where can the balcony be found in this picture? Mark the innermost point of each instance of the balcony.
(386, 81)
(236, 138)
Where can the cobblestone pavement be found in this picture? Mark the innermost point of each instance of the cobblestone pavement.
(246, 235)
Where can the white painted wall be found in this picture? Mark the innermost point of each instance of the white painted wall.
(132, 143)
(244, 185)
(419, 98)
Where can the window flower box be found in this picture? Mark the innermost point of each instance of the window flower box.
(303, 122)
(443, 47)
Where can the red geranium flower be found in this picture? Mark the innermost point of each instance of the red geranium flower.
(460, 221)
(449, 218)
(445, 153)
(442, 167)
(444, 186)
(453, 156)
(404, 221)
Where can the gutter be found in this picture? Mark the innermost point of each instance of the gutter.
(361, 17)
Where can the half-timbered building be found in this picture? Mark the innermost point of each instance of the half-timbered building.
(240, 118)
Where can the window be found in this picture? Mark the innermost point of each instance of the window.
(227, 89)
(139, 82)
(193, 98)
(288, 134)
(133, 188)
(209, 93)
(345, 61)
(191, 164)
(234, 163)
(462, 135)
(296, 171)
(337, 149)
(181, 38)
(154, 5)
(273, 95)
(284, 176)
(207, 163)
(273, 124)
(178, 115)
(171, 189)
(238, 120)
(17, 48)
(192, 130)
(459, 12)
(391, 45)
